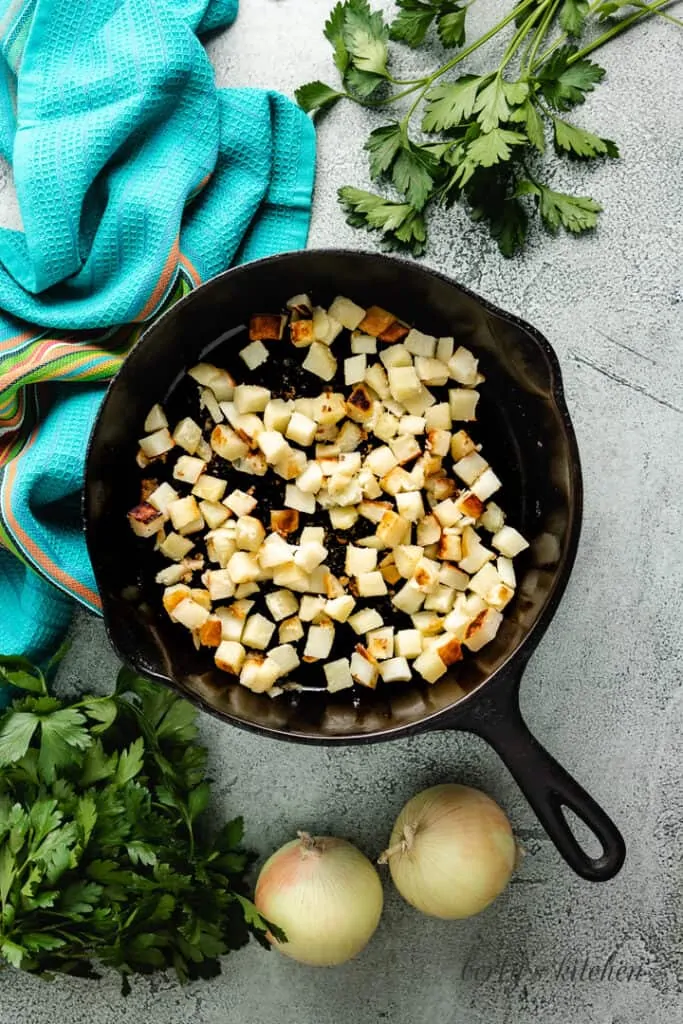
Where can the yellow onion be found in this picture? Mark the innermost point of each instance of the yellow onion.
(451, 852)
(324, 894)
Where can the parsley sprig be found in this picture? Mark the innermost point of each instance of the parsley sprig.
(106, 854)
(475, 139)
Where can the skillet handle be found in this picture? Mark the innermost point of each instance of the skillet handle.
(496, 717)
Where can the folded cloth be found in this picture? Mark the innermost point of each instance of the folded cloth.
(136, 179)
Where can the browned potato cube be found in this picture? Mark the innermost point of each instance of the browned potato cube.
(266, 327)
(375, 321)
(394, 332)
(284, 521)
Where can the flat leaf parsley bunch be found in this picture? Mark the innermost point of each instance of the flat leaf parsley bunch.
(480, 137)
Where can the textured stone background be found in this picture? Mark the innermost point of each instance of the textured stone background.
(603, 691)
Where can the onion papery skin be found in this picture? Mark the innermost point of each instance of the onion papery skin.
(325, 895)
(452, 851)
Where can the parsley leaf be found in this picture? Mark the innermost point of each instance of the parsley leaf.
(411, 24)
(19, 672)
(402, 226)
(580, 143)
(413, 173)
(334, 33)
(316, 96)
(573, 16)
(383, 146)
(486, 150)
(574, 213)
(450, 104)
(365, 35)
(528, 115)
(450, 27)
(16, 734)
(565, 85)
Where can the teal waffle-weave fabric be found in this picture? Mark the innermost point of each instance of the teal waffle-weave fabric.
(137, 178)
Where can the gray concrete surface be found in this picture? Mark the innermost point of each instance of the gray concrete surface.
(604, 690)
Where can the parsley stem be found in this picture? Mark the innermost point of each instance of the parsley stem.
(615, 30)
(523, 31)
(541, 33)
(562, 38)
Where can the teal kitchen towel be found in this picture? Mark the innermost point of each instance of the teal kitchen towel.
(136, 180)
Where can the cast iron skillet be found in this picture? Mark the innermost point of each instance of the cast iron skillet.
(526, 429)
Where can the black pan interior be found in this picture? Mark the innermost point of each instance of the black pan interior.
(523, 426)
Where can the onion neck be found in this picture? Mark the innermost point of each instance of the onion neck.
(403, 846)
(310, 844)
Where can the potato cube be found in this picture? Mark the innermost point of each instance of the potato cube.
(310, 555)
(340, 608)
(430, 666)
(311, 480)
(319, 641)
(276, 415)
(376, 378)
(284, 521)
(154, 445)
(365, 620)
(431, 371)
(258, 673)
(146, 521)
(176, 547)
(462, 367)
(233, 618)
(211, 488)
(219, 584)
(360, 405)
(243, 590)
(438, 441)
(463, 404)
(292, 465)
(408, 643)
(509, 542)
(386, 426)
(185, 515)
(381, 460)
(229, 657)
(346, 312)
(420, 344)
(266, 326)
(397, 355)
(301, 429)
(482, 629)
(320, 361)
(395, 670)
(396, 331)
(475, 555)
(380, 643)
(444, 349)
(407, 557)
(213, 513)
(363, 670)
(392, 529)
(410, 506)
(412, 425)
(190, 614)
(470, 467)
(506, 571)
(312, 607)
(161, 497)
(244, 567)
(482, 581)
(300, 304)
(452, 577)
(361, 344)
(297, 499)
(291, 576)
(249, 534)
(254, 354)
(426, 575)
(285, 657)
(369, 485)
(428, 530)
(438, 417)
(375, 321)
(447, 513)
(448, 649)
(273, 445)
(354, 369)
(409, 598)
(492, 519)
(282, 604)
(290, 630)
(428, 623)
(258, 632)
(349, 437)
(371, 584)
(343, 518)
(228, 444)
(250, 398)
(275, 552)
(405, 447)
(326, 409)
(302, 333)
(220, 545)
(188, 434)
(500, 596)
(450, 547)
(338, 675)
(155, 420)
(440, 600)
(404, 382)
(486, 485)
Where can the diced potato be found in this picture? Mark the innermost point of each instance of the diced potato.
(229, 657)
(405, 447)
(246, 590)
(349, 437)
(397, 355)
(320, 361)
(509, 542)
(176, 547)
(486, 578)
(375, 321)
(420, 344)
(469, 505)
(363, 344)
(371, 584)
(440, 487)
(381, 460)
(327, 409)
(450, 547)
(244, 567)
(395, 670)
(386, 426)
(500, 596)
(438, 417)
(463, 404)
(266, 326)
(343, 518)
(311, 607)
(346, 312)
(492, 519)
(431, 371)
(354, 369)
(380, 643)
(188, 469)
(340, 608)
(188, 434)
(376, 378)
(258, 673)
(428, 623)
(440, 600)
(364, 670)
(409, 598)
(311, 480)
(404, 382)
(220, 545)
(161, 497)
(213, 513)
(254, 354)
(211, 488)
(483, 629)
(203, 373)
(408, 643)
(506, 571)
(430, 666)
(302, 333)
(449, 650)
(233, 618)
(219, 583)
(321, 323)
(310, 555)
(250, 398)
(418, 405)
(228, 444)
(258, 632)
(486, 485)
(145, 520)
(407, 557)
(249, 534)
(412, 425)
(470, 467)
(428, 530)
(156, 444)
(300, 304)
(301, 429)
(453, 577)
(156, 419)
(240, 502)
(273, 445)
(290, 630)
(447, 513)
(297, 499)
(185, 515)
(438, 441)
(338, 675)
(253, 464)
(426, 575)
(392, 529)
(475, 555)
(319, 641)
(190, 614)
(396, 331)
(276, 415)
(291, 576)
(275, 552)
(282, 604)
(462, 367)
(292, 465)
(360, 405)
(313, 533)
(210, 633)
(284, 521)
(444, 349)
(285, 657)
